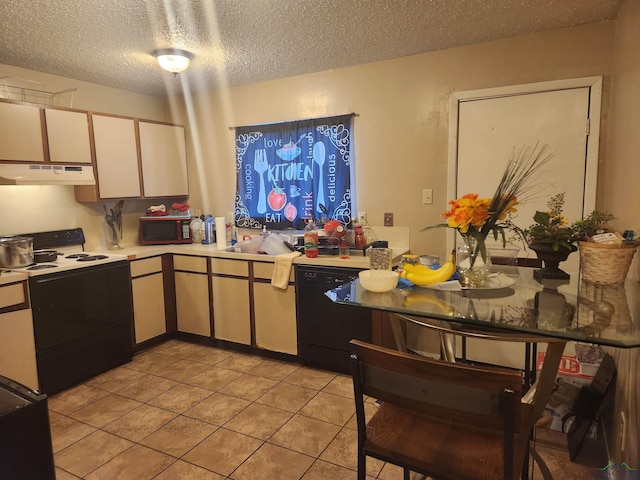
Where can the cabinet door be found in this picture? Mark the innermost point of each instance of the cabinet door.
(20, 133)
(116, 156)
(148, 307)
(68, 136)
(17, 348)
(164, 160)
(192, 303)
(231, 315)
(275, 318)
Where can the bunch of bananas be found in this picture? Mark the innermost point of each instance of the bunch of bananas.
(422, 275)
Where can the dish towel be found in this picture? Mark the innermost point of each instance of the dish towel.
(282, 269)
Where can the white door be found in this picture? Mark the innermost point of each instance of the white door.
(490, 124)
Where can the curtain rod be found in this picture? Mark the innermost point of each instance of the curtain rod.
(353, 114)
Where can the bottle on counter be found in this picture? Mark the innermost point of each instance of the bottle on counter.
(344, 248)
(197, 228)
(360, 241)
(311, 239)
(209, 236)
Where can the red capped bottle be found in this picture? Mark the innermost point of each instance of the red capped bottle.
(311, 239)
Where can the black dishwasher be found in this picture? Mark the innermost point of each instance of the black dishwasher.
(325, 328)
(26, 452)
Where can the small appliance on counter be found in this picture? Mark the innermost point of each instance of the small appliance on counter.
(165, 230)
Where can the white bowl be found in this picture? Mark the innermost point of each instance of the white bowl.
(378, 280)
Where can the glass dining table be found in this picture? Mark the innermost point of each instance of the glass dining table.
(517, 308)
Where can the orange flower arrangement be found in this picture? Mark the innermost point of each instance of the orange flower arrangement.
(475, 217)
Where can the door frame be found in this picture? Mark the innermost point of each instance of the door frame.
(593, 129)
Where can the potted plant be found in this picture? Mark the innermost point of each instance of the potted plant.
(552, 237)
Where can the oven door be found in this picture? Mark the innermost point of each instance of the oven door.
(82, 323)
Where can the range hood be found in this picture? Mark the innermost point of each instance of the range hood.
(46, 174)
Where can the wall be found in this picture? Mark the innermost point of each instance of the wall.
(618, 193)
(40, 208)
(401, 133)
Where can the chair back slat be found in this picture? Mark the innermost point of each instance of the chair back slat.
(472, 394)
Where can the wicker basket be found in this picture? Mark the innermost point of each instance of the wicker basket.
(605, 263)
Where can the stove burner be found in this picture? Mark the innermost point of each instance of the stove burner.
(41, 266)
(91, 258)
(77, 255)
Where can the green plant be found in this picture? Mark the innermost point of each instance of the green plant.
(552, 227)
(588, 226)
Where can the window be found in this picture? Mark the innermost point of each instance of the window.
(290, 172)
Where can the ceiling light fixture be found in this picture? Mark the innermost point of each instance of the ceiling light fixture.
(173, 60)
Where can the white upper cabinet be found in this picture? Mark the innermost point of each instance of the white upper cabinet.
(163, 158)
(116, 156)
(68, 136)
(20, 133)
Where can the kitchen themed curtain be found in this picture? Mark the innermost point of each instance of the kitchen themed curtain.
(290, 172)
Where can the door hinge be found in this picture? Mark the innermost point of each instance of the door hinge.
(588, 126)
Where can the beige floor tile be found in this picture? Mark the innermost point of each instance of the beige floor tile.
(217, 409)
(140, 422)
(310, 378)
(179, 349)
(273, 462)
(182, 370)
(287, 396)
(223, 451)
(150, 362)
(214, 378)
(240, 362)
(305, 435)
(180, 398)
(343, 451)
(137, 463)
(55, 417)
(90, 452)
(75, 398)
(259, 421)
(330, 408)
(274, 369)
(105, 410)
(115, 379)
(248, 387)
(208, 355)
(67, 431)
(341, 385)
(393, 472)
(321, 470)
(186, 471)
(146, 388)
(179, 436)
(63, 475)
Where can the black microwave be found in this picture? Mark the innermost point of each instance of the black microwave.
(164, 230)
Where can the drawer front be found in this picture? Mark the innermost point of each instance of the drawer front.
(12, 295)
(264, 270)
(238, 268)
(146, 266)
(190, 264)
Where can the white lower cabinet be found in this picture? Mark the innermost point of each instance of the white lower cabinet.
(147, 284)
(192, 295)
(17, 344)
(231, 301)
(274, 312)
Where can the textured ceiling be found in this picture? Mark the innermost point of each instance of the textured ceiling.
(238, 42)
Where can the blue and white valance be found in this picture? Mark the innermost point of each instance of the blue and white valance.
(292, 171)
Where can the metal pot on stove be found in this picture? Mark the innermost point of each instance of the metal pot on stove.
(16, 251)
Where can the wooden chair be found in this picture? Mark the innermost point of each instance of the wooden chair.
(445, 420)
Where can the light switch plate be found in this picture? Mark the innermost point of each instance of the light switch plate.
(427, 196)
(388, 219)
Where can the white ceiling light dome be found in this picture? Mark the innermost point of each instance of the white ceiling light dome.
(173, 60)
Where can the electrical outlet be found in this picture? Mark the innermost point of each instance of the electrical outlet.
(388, 219)
(362, 217)
(427, 196)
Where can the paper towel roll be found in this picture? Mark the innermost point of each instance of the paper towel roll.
(221, 232)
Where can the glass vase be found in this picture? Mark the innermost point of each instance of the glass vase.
(473, 270)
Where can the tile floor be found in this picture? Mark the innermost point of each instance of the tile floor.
(181, 411)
